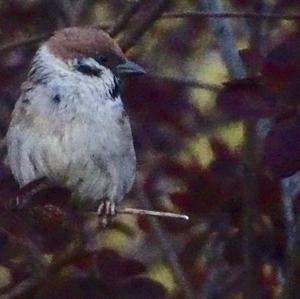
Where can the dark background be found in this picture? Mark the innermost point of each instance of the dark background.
(217, 134)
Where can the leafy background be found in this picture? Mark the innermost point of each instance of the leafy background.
(217, 134)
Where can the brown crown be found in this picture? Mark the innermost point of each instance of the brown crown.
(77, 42)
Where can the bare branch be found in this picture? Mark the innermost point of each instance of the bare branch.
(24, 42)
(230, 14)
(125, 17)
(222, 30)
(66, 10)
(132, 38)
(144, 212)
(188, 82)
(78, 10)
(133, 211)
(34, 40)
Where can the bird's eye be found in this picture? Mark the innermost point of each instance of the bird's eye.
(101, 58)
(87, 67)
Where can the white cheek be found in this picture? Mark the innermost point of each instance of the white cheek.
(79, 93)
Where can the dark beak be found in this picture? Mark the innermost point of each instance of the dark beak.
(129, 68)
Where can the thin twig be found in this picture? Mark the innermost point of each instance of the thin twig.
(229, 14)
(125, 17)
(24, 42)
(188, 82)
(133, 211)
(131, 38)
(223, 32)
(34, 40)
(78, 10)
(38, 38)
(66, 10)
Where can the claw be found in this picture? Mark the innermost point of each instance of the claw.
(106, 210)
(100, 208)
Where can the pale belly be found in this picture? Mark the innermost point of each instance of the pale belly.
(93, 162)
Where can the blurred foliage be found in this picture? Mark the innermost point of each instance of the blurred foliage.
(189, 142)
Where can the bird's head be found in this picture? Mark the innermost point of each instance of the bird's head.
(91, 52)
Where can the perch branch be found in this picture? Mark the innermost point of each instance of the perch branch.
(146, 212)
(133, 211)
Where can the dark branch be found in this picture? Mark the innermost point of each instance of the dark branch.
(229, 14)
(124, 18)
(188, 82)
(132, 38)
(24, 42)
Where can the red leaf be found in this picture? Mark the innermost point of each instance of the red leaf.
(14, 224)
(192, 250)
(141, 288)
(183, 200)
(269, 195)
(57, 196)
(53, 226)
(225, 169)
(281, 70)
(246, 99)
(176, 225)
(74, 288)
(282, 148)
(252, 59)
(49, 216)
(4, 237)
(114, 268)
(143, 223)
(233, 250)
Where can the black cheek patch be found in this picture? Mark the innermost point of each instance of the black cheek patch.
(56, 99)
(88, 70)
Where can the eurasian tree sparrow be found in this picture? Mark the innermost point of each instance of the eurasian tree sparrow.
(69, 124)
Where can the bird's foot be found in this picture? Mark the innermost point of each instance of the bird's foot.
(106, 211)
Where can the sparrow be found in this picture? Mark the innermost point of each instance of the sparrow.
(69, 124)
